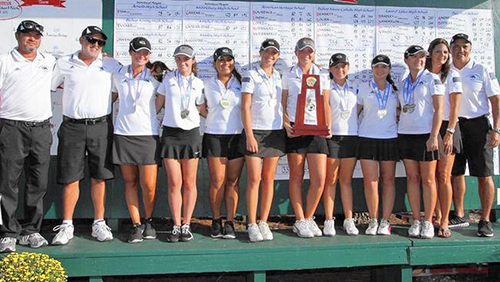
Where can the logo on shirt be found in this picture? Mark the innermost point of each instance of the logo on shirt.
(437, 81)
(245, 79)
(474, 77)
(44, 68)
(456, 79)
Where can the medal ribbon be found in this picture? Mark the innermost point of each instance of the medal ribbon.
(382, 98)
(272, 83)
(223, 90)
(410, 87)
(185, 95)
(344, 103)
(136, 93)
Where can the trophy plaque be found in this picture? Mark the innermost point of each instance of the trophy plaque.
(310, 113)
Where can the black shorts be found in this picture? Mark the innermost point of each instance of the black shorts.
(413, 147)
(271, 143)
(309, 144)
(377, 149)
(221, 146)
(76, 140)
(177, 143)
(136, 150)
(341, 147)
(457, 136)
(476, 152)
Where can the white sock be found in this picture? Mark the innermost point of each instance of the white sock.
(67, 222)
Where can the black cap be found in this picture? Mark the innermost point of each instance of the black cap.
(270, 43)
(139, 43)
(185, 50)
(338, 58)
(381, 59)
(305, 43)
(460, 36)
(29, 25)
(221, 52)
(92, 29)
(414, 50)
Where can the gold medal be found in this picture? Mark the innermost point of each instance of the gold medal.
(184, 114)
(344, 114)
(225, 103)
(382, 113)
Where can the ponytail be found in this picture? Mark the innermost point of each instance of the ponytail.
(236, 74)
(391, 82)
(193, 68)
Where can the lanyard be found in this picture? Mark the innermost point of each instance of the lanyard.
(136, 93)
(410, 87)
(222, 89)
(271, 83)
(185, 95)
(382, 98)
(344, 102)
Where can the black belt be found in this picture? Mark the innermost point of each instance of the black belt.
(86, 121)
(26, 123)
(462, 119)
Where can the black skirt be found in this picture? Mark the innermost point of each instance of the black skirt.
(221, 146)
(377, 149)
(135, 150)
(412, 147)
(177, 143)
(271, 143)
(457, 136)
(341, 147)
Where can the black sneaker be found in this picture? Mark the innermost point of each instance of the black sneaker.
(149, 230)
(186, 234)
(484, 229)
(136, 233)
(457, 222)
(175, 235)
(229, 230)
(216, 230)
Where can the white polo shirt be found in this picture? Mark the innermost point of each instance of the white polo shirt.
(344, 99)
(87, 89)
(222, 120)
(478, 83)
(266, 108)
(453, 84)
(170, 88)
(420, 120)
(25, 86)
(142, 120)
(371, 125)
(292, 82)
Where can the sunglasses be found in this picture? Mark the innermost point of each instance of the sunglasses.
(93, 40)
(32, 26)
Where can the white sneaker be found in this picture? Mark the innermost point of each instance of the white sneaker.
(300, 227)
(254, 233)
(350, 227)
(384, 228)
(34, 240)
(311, 224)
(427, 231)
(329, 227)
(372, 227)
(102, 232)
(415, 229)
(64, 235)
(266, 233)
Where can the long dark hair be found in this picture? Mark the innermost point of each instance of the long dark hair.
(234, 72)
(391, 82)
(445, 68)
(161, 66)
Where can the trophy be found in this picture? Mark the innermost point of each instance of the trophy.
(310, 113)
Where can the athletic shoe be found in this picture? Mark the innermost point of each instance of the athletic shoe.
(101, 231)
(216, 229)
(136, 232)
(64, 235)
(350, 227)
(266, 233)
(427, 231)
(457, 222)
(175, 235)
(149, 231)
(7, 245)
(372, 227)
(254, 233)
(311, 224)
(229, 230)
(186, 234)
(329, 227)
(384, 228)
(301, 228)
(484, 229)
(415, 229)
(34, 240)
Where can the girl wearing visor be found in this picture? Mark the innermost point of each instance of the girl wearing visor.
(222, 109)
(422, 105)
(136, 139)
(181, 95)
(301, 148)
(378, 142)
(263, 140)
(342, 146)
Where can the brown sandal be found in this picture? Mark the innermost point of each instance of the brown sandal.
(444, 232)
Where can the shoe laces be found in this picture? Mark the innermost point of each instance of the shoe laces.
(62, 227)
(302, 223)
(6, 240)
(176, 230)
(36, 236)
(185, 228)
(102, 228)
(372, 223)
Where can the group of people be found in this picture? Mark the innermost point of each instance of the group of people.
(435, 120)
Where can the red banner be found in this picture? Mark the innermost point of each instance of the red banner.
(55, 3)
(347, 1)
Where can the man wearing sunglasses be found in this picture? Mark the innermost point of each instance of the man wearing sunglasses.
(25, 136)
(86, 131)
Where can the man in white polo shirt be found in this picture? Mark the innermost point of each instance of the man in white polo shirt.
(86, 132)
(25, 137)
(480, 87)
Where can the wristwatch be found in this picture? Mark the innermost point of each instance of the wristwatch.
(497, 130)
(451, 130)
